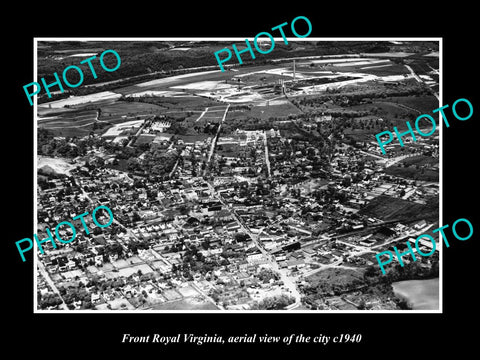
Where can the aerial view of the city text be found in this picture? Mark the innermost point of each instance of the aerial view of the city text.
(258, 188)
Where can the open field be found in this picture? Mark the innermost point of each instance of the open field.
(420, 161)
(185, 81)
(390, 69)
(193, 138)
(398, 54)
(74, 118)
(361, 135)
(423, 104)
(58, 165)
(78, 100)
(191, 303)
(280, 110)
(180, 103)
(209, 114)
(375, 67)
(389, 208)
(400, 109)
(82, 122)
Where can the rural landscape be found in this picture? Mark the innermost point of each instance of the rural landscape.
(254, 189)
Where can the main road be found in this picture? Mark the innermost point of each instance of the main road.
(287, 281)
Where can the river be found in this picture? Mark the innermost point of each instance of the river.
(421, 294)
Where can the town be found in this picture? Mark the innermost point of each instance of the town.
(257, 188)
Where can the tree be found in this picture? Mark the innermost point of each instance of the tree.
(403, 304)
(362, 305)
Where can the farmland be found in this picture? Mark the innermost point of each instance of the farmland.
(279, 110)
(80, 122)
(389, 208)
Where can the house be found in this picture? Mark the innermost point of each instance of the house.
(98, 260)
(420, 225)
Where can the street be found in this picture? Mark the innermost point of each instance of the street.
(288, 282)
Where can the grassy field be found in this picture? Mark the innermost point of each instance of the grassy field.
(193, 138)
(259, 78)
(361, 135)
(81, 122)
(181, 103)
(416, 167)
(420, 160)
(340, 277)
(401, 109)
(280, 111)
(389, 208)
(185, 304)
(383, 110)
